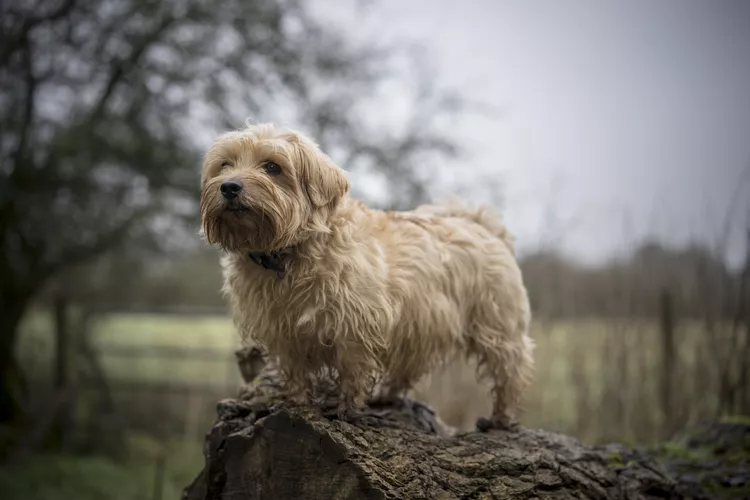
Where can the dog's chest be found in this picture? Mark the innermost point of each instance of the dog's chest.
(309, 306)
(267, 305)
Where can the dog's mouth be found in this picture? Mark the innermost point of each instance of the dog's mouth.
(234, 207)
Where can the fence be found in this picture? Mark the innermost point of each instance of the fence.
(114, 385)
(166, 408)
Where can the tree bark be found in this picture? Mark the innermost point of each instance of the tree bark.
(264, 447)
(62, 429)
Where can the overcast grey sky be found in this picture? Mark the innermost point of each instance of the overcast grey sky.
(622, 119)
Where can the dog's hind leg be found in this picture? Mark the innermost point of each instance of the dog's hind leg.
(504, 351)
(390, 391)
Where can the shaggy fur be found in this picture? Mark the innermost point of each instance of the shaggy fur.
(366, 293)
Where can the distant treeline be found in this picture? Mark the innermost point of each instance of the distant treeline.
(700, 284)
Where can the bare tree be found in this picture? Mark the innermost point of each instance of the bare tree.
(102, 106)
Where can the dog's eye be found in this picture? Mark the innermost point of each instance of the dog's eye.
(271, 168)
(226, 164)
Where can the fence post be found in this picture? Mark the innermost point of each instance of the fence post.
(666, 313)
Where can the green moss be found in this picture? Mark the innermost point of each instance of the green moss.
(615, 459)
(711, 484)
(740, 490)
(672, 450)
(735, 419)
(737, 457)
(718, 489)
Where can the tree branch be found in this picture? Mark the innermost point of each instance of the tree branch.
(125, 65)
(28, 111)
(11, 44)
(73, 255)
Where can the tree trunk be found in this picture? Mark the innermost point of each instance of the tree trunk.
(61, 431)
(12, 387)
(263, 447)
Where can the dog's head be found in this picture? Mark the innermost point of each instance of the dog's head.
(265, 188)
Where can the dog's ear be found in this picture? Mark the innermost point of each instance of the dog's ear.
(324, 182)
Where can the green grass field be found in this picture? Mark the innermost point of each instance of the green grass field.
(146, 332)
(133, 477)
(594, 379)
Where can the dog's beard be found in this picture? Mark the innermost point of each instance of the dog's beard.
(237, 226)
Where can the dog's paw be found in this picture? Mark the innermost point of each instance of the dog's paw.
(347, 413)
(299, 398)
(500, 424)
(288, 404)
(381, 401)
(319, 401)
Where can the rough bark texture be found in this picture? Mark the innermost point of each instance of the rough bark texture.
(710, 460)
(263, 447)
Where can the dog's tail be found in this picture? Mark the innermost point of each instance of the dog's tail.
(484, 215)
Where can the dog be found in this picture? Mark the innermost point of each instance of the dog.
(327, 285)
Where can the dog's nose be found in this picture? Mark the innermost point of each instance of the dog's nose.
(231, 188)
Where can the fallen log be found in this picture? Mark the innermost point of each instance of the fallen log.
(264, 447)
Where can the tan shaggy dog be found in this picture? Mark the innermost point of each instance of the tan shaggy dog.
(326, 284)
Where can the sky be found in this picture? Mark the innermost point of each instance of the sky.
(621, 120)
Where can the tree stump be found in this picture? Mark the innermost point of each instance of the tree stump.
(264, 447)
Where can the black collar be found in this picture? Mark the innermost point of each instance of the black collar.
(275, 261)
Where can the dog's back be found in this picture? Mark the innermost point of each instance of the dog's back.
(484, 216)
(466, 292)
(453, 273)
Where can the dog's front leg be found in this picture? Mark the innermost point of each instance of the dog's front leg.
(352, 385)
(297, 384)
(302, 394)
